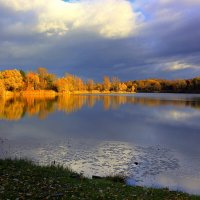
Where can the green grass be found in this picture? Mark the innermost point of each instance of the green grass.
(21, 179)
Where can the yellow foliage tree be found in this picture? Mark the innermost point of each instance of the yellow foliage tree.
(46, 79)
(79, 84)
(71, 80)
(90, 85)
(132, 88)
(122, 87)
(106, 83)
(62, 85)
(2, 88)
(32, 81)
(12, 79)
(115, 84)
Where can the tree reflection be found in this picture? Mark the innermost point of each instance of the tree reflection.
(16, 108)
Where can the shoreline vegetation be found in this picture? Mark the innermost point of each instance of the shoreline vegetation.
(42, 83)
(52, 93)
(22, 179)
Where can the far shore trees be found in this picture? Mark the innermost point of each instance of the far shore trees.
(90, 85)
(61, 85)
(2, 88)
(12, 79)
(106, 83)
(46, 80)
(17, 80)
(32, 81)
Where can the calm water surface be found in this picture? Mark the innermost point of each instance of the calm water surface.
(151, 138)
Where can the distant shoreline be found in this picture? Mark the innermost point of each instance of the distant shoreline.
(42, 83)
(51, 93)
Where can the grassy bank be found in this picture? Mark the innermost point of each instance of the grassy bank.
(21, 179)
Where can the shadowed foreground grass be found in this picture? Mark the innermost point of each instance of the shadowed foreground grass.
(21, 179)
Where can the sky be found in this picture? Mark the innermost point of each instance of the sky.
(135, 39)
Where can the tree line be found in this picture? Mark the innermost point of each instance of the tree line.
(173, 86)
(18, 80)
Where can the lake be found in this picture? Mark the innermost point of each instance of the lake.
(151, 138)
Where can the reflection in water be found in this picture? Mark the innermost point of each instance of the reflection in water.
(108, 134)
(16, 108)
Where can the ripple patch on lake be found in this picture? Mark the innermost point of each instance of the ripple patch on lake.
(98, 158)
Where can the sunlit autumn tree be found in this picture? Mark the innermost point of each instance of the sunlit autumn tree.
(42, 73)
(115, 84)
(90, 85)
(131, 86)
(140, 85)
(98, 86)
(152, 85)
(106, 83)
(69, 81)
(122, 87)
(46, 79)
(61, 85)
(12, 80)
(79, 84)
(2, 88)
(32, 81)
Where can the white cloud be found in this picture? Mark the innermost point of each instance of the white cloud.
(81, 32)
(109, 18)
(178, 66)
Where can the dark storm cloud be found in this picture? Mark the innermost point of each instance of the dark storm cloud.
(165, 45)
